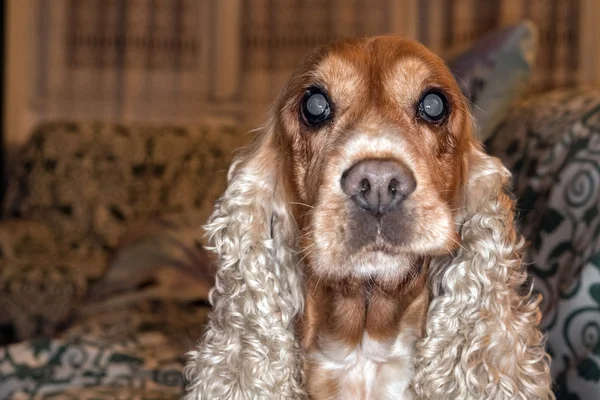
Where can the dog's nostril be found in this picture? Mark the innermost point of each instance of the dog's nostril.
(365, 185)
(393, 187)
(378, 186)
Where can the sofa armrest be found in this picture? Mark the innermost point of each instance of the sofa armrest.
(551, 143)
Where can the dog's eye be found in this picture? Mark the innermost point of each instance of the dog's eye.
(433, 107)
(315, 107)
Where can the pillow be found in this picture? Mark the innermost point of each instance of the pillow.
(495, 71)
(161, 257)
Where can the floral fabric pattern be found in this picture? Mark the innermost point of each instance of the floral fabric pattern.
(104, 285)
(552, 145)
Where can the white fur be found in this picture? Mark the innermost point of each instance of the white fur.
(381, 370)
(482, 340)
(249, 349)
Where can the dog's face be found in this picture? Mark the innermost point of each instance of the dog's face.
(374, 135)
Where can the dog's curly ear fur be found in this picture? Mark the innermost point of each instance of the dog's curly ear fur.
(482, 340)
(249, 349)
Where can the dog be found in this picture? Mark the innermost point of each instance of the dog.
(367, 245)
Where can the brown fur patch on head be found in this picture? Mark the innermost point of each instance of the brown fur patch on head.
(374, 87)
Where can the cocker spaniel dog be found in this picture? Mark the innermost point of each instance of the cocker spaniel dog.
(366, 246)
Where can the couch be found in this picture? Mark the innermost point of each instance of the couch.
(104, 280)
(552, 145)
(103, 277)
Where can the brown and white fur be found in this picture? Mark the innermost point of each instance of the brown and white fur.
(316, 298)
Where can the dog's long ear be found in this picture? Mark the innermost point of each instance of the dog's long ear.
(482, 340)
(249, 349)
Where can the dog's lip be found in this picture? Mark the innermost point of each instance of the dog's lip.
(380, 246)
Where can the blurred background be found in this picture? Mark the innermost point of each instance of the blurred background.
(226, 59)
(120, 119)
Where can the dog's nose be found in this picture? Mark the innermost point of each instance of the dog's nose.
(378, 186)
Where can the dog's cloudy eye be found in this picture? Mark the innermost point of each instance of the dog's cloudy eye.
(433, 107)
(316, 104)
(315, 107)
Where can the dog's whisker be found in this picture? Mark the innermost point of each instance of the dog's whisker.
(301, 204)
(461, 245)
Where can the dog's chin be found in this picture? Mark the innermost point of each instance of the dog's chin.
(385, 263)
(382, 262)
(378, 259)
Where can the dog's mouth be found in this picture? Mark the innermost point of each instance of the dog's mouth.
(381, 261)
(355, 242)
(363, 248)
(384, 235)
(380, 245)
(366, 257)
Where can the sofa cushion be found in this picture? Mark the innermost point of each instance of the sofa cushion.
(495, 71)
(551, 143)
(90, 181)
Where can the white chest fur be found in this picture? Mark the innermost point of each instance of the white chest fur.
(372, 370)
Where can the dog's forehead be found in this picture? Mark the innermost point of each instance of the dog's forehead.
(406, 79)
(396, 66)
(339, 73)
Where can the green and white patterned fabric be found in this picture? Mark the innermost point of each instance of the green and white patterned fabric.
(552, 145)
(53, 369)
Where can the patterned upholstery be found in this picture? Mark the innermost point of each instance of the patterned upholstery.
(88, 181)
(85, 185)
(101, 250)
(552, 145)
